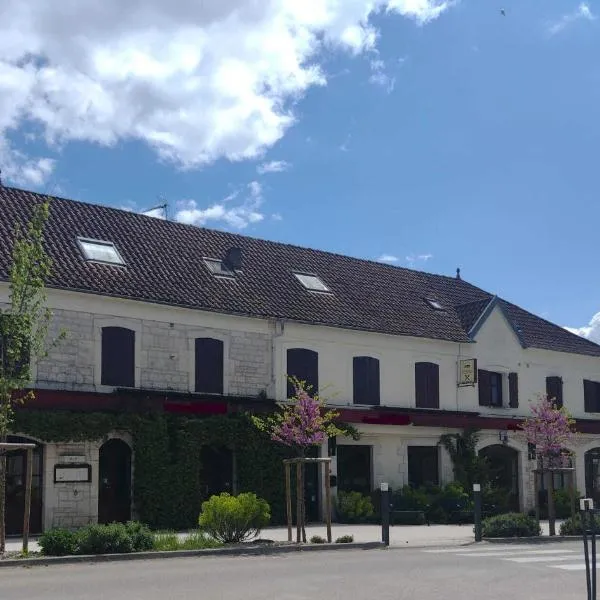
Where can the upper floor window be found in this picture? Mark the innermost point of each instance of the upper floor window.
(554, 390)
(118, 357)
(366, 380)
(490, 388)
(303, 365)
(591, 396)
(312, 282)
(427, 385)
(209, 366)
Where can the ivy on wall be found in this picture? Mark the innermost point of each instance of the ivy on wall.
(167, 487)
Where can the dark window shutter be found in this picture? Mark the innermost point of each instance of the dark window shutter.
(303, 364)
(485, 390)
(427, 385)
(589, 396)
(366, 384)
(513, 390)
(554, 390)
(209, 366)
(433, 385)
(118, 357)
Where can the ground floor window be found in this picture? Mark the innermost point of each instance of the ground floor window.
(423, 466)
(354, 468)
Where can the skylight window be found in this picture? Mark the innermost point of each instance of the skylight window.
(100, 251)
(311, 282)
(218, 268)
(434, 304)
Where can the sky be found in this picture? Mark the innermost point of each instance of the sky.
(424, 133)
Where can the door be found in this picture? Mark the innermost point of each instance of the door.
(114, 496)
(216, 473)
(16, 477)
(354, 469)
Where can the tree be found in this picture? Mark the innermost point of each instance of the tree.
(302, 424)
(549, 429)
(23, 328)
(468, 466)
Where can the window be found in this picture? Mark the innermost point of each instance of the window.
(490, 388)
(100, 251)
(118, 357)
(434, 304)
(14, 355)
(366, 380)
(427, 385)
(354, 469)
(303, 364)
(554, 390)
(218, 268)
(209, 366)
(591, 396)
(311, 282)
(423, 466)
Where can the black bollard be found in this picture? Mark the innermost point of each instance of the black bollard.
(385, 514)
(477, 511)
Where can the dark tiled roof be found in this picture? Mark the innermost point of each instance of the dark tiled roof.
(164, 265)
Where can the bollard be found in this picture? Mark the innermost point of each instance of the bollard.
(385, 514)
(588, 528)
(477, 510)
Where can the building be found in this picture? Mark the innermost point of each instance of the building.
(195, 320)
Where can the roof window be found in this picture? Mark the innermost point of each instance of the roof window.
(100, 251)
(218, 268)
(312, 282)
(434, 304)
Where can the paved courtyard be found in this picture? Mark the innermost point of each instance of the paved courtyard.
(532, 572)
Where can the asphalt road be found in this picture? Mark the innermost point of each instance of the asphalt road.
(543, 572)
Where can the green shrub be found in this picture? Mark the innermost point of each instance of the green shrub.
(197, 540)
(141, 536)
(562, 503)
(317, 539)
(58, 542)
(166, 541)
(233, 519)
(572, 526)
(510, 525)
(345, 539)
(353, 507)
(105, 539)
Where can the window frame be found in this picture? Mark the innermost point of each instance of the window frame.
(81, 241)
(299, 275)
(591, 386)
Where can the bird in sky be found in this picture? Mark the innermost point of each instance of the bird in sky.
(502, 12)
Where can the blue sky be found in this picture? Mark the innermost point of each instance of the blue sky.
(437, 135)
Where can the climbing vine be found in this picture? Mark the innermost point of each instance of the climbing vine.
(167, 487)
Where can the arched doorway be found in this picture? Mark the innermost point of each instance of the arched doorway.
(114, 494)
(16, 477)
(592, 474)
(503, 463)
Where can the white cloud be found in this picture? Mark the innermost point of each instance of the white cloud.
(234, 216)
(413, 259)
(591, 331)
(274, 166)
(196, 81)
(388, 258)
(380, 76)
(21, 169)
(276, 217)
(583, 12)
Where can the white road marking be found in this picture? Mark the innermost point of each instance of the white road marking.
(513, 553)
(533, 559)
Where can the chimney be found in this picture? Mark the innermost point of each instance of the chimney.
(233, 259)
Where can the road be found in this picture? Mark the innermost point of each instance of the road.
(535, 572)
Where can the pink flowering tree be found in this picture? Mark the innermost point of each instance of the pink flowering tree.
(301, 424)
(550, 429)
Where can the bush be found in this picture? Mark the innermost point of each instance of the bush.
(317, 539)
(572, 526)
(141, 536)
(105, 539)
(353, 507)
(197, 540)
(233, 519)
(58, 542)
(345, 539)
(510, 525)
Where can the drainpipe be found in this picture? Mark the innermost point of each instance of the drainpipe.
(278, 331)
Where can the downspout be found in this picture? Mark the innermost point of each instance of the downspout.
(278, 331)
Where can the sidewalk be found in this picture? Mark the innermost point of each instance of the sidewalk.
(415, 536)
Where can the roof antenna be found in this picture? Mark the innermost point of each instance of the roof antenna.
(164, 207)
(458, 273)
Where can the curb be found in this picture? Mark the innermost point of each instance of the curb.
(235, 551)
